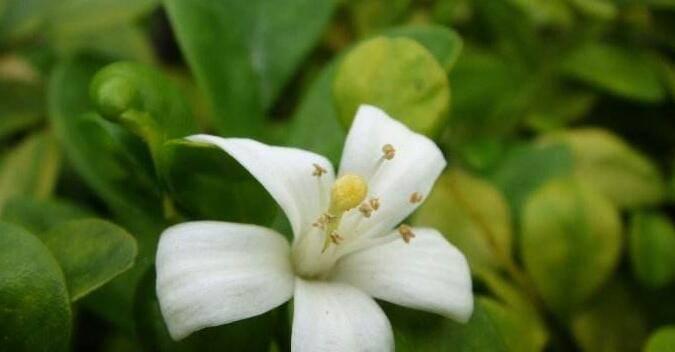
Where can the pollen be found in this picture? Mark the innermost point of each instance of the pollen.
(348, 192)
(318, 170)
(406, 233)
(415, 198)
(336, 238)
(388, 151)
(366, 209)
(374, 203)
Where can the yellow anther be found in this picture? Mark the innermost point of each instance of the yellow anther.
(348, 192)
(406, 233)
(389, 151)
(374, 203)
(365, 209)
(318, 170)
(336, 238)
(415, 198)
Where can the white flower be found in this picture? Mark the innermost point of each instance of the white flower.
(345, 249)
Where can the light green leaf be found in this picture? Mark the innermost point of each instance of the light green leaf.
(473, 215)
(570, 242)
(612, 167)
(103, 251)
(621, 71)
(651, 247)
(398, 75)
(38, 216)
(520, 332)
(663, 340)
(35, 314)
(369, 16)
(601, 9)
(442, 42)
(121, 42)
(31, 168)
(242, 53)
(20, 19)
(611, 323)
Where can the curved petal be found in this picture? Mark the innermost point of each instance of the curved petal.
(426, 274)
(336, 317)
(416, 164)
(211, 273)
(287, 173)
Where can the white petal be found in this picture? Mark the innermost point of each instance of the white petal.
(336, 317)
(284, 172)
(211, 273)
(415, 167)
(427, 274)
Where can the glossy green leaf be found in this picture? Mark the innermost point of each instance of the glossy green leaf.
(398, 75)
(442, 42)
(525, 168)
(621, 71)
(243, 53)
(120, 42)
(370, 16)
(662, 340)
(207, 183)
(570, 242)
(651, 247)
(22, 18)
(103, 251)
(31, 168)
(612, 322)
(611, 166)
(143, 100)
(424, 332)
(38, 216)
(473, 215)
(35, 314)
(253, 334)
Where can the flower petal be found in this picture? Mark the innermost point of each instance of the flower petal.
(416, 164)
(427, 274)
(287, 173)
(337, 317)
(211, 273)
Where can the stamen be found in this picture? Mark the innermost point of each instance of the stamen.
(415, 198)
(389, 151)
(318, 170)
(366, 209)
(336, 238)
(323, 220)
(374, 203)
(406, 233)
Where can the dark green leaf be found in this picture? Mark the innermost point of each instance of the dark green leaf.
(35, 314)
(38, 216)
(571, 242)
(244, 52)
(520, 332)
(103, 251)
(651, 247)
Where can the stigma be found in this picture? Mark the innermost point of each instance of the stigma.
(348, 192)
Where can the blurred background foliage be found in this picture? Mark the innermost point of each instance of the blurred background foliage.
(557, 118)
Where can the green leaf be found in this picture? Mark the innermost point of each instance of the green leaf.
(621, 71)
(611, 166)
(103, 250)
(398, 75)
(442, 42)
(612, 322)
(121, 42)
(651, 247)
(30, 169)
(207, 183)
(315, 125)
(21, 106)
(372, 15)
(113, 162)
(558, 107)
(143, 100)
(473, 215)
(519, 331)
(19, 19)
(253, 334)
(38, 216)
(525, 168)
(601, 9)
(418, 331)
(243, 53)
(35, 314)
(571, 242)
(663, 340)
